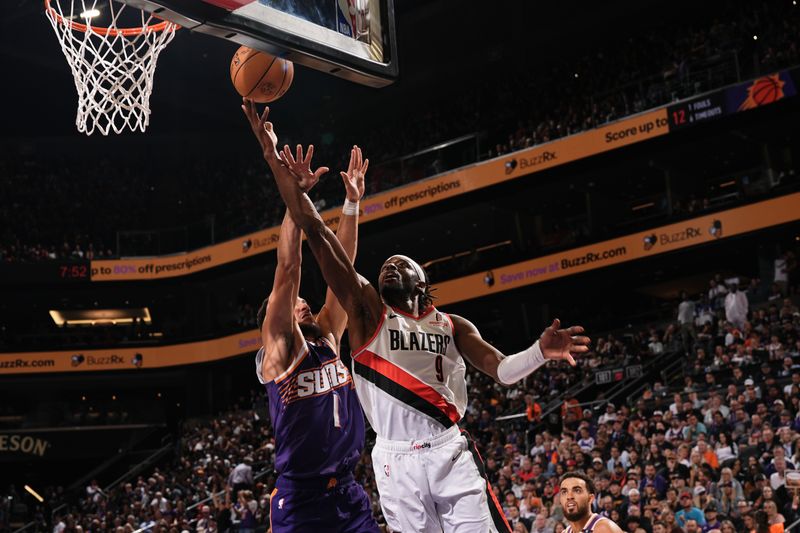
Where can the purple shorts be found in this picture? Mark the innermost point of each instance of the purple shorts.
(327, 505)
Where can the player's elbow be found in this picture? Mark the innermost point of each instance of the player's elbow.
(493, 371)
(312, 226)
(503, 382)
(305, 221)
(290, 265)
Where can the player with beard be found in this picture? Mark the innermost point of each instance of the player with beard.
(409, 371)
(315, 414)
(576, 495)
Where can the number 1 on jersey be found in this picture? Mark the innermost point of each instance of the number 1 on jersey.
(336, 422)
(439, 371)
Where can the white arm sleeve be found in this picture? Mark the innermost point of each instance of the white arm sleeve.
(259, 363)
(515, 367)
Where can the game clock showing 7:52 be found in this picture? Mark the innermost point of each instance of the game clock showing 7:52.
(74, 271)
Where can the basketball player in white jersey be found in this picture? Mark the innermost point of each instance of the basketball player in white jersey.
(577, 496)
(408, 368)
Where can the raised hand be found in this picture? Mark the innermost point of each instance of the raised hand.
(262, 129)
(354, 177)
(300, 166)
(561, 344)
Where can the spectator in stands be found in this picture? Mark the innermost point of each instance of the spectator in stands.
(244, 512)
(540, 525)
(736, 306)
(686, 314)
(222, 510)
(514, 518)
(778, 478)
(653, 478)
(688, 511)
(693, 428)
(773, 516)
(93, 491)
(205, 522)
(241, 477)
(712, 517)
(716, 294)
(610, 415)
(655, 346)
(691, 526)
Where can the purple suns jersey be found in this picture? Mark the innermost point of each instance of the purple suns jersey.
(316, 417)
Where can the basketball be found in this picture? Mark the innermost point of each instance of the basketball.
(260, 76)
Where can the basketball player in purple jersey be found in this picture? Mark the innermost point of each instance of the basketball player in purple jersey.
(409, 371)
(576, 494)
(316, 417)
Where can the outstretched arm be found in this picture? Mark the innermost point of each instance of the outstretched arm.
(332, 316)
(356, 296)
(554, 344)
(280, 333)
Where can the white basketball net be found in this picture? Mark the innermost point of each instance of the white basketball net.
(113, 67)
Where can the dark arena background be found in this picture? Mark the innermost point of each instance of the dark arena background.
(630, 167)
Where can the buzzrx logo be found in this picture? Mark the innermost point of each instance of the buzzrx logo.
(532, 161)
(686, 234)
(105, 360)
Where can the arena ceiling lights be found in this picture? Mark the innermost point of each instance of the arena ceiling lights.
(100, 317)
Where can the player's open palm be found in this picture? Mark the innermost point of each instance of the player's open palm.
(354, 177)
(262, 128)
(300, 166)
(562, 344)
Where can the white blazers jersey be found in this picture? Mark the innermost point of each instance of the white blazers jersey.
(410, 376)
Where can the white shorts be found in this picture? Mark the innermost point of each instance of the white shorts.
(436, 484)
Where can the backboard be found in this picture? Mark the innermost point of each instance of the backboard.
(351, 39)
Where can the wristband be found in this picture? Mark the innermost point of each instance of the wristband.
(515, 367)
(350, 208)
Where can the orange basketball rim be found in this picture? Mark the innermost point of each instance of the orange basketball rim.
(102, 30)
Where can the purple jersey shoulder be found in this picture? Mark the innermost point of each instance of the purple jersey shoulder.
(317, 420)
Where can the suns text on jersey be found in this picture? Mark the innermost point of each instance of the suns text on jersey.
(318, 380)
(418, 341)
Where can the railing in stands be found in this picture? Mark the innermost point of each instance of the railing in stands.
(630, 387)
(667, 374)
(683, 81)
(430, 161)
(671, 371)
(147, 463)
(121, 455)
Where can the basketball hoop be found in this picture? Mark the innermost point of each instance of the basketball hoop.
(113, 66)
